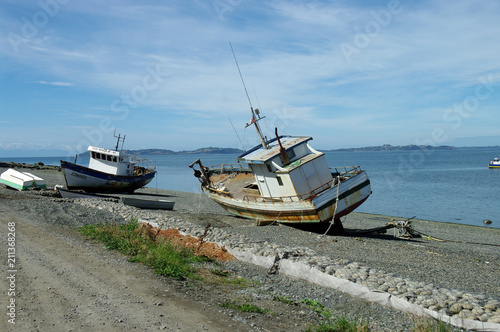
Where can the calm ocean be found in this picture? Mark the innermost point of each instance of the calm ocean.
(451, 186)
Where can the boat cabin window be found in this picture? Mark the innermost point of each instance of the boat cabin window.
(269, 168)
(280, 182)
(102, 156)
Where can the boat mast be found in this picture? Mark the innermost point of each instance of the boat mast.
(255, 119)
(119, 138)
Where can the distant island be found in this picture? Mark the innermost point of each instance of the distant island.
(216, 150)
(157, 152)
(388, 147)
(209, 150)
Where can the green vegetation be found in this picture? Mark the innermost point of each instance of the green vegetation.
(317, 307)
(166, 258)
(332, 324)
(284, 299)
(245, 307)
(341, 324)
(431, 325)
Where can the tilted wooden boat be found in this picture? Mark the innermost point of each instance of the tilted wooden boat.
(108, 171)
(284, 180)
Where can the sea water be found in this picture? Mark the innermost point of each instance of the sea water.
(442, 185)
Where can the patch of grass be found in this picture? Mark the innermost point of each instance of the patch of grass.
(245, 307)
(341, 324)
(164, 257)
(221, 273)
(241, 282)
(285, 300)
(431, 325)
(317, 307)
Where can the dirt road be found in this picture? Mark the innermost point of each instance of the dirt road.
(65, 283)
(59, 280)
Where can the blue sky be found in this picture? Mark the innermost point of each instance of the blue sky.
(346, 73)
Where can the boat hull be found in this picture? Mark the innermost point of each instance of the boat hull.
(81, 177)
(156, 204)
(21, 180)
(330, 204)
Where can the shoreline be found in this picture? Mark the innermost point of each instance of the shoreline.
(52, 175)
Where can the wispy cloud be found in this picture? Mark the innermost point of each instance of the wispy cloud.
(56, 83)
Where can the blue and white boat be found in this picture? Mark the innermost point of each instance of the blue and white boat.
(108, 171)
(495, 163)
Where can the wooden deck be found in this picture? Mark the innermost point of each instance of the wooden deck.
(236, 184)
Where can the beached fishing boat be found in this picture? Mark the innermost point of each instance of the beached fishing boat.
(108, 171)
(21, 180)
(284, 180)
(495, 163)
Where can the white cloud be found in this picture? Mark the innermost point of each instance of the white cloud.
(56, 83)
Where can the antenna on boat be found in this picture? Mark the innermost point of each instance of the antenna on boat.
(238, 136)
(255, 119)
(122, 139)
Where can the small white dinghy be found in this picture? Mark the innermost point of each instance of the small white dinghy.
(21, 180)
(148, 203)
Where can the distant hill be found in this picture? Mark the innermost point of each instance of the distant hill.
(215, 150)
(152, 152)
(388, 147)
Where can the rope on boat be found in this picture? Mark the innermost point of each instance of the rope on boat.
(407, 231)
(429, 237)
(336, 204)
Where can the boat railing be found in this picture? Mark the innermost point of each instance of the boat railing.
(345, 171)
(144, 163)
(229, 168)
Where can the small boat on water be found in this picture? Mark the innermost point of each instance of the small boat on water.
(21, 180)
(148, 203)
(108, 171)
(284, 180)
(495, 163)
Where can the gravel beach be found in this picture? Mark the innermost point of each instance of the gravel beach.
(454, 271)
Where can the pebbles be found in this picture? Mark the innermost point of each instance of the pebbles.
(451, 302)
